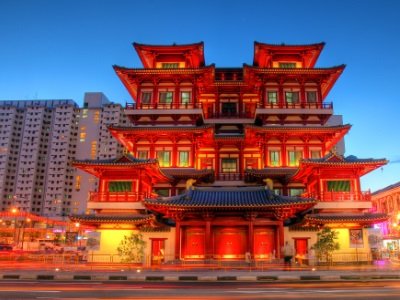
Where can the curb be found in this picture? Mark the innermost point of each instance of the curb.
(183, 278)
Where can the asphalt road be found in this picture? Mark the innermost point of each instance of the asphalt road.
(14, 290)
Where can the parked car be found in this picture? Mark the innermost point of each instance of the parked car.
(5, 247)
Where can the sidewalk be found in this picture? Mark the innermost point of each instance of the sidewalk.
(277, 273)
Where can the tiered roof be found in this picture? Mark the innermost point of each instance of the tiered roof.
(228, 198)
(361, 219)
(264, 54)
(335, 161)
(125, 163)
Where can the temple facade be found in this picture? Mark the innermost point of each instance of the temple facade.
(221, 163)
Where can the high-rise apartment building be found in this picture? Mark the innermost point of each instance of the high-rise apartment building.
(39, 140)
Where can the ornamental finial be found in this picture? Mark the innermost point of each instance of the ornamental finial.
(269, 184)
(189, 184)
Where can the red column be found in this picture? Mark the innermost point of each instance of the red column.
(177, 239)
(279, 239)
(208, 246)
(250, 246)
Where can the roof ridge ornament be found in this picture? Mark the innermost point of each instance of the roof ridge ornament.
(189, 184)
(269, 184)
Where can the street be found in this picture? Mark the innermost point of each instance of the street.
(13, 290)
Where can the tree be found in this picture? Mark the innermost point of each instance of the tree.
(326, 244)
(131, 248)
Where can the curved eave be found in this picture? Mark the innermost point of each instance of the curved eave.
(336, 219)
(157, 205)
(265, 49)
(99, 169)
(297, 129)
(158, 129)
(112, 219)
(148, 60)
(328, 75)
(139, 72)
(307, 168)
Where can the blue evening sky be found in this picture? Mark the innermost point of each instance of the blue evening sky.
(62, 49)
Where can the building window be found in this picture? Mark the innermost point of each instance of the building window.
(78, 183)
(164, 158)
(292, 97)
(162, 192)
(274, 158)
(120, 186)
(143, 154)
(338, 186)
(96, 117)
(229, 165)
(287, 65)
(93, 150)
(170, 65)
(146, 97)
(312, 97)
(272, 97)
(166, 97)
(183, 158)
(315, 154)
(185, 97)
(294, 157)
(228, 109)
(296, 192)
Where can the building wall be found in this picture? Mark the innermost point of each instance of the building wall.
(387, 200)
(39, 140)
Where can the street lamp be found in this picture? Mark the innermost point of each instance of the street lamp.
(27, 220)
(14, 212)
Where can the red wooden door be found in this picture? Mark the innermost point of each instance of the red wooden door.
(157, 251)
(264, 243)
(194, 243)
(230, 243)
(301, 247)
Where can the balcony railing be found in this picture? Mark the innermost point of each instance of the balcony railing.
(340, 196)
(229, 176)
(117, 197)
(172, 105)
(325, 105)
(230, 115)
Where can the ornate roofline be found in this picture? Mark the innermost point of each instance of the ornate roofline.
(112, 219)
(298, 128)
(347, 218)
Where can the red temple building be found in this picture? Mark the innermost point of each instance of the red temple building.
(227, 161)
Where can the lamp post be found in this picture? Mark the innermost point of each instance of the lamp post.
(14, 211)
(27, 220)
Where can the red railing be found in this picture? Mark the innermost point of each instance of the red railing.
(340, 196)
(172, 105)
(325, 105)
(229, 176)
(117, 197)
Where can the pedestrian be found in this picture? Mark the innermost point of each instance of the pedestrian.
(287, 252)
(247, 257)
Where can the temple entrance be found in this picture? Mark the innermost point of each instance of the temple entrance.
(301, 248)
(157, 251)
(193, 243)
(264, 243)
(230, 243)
